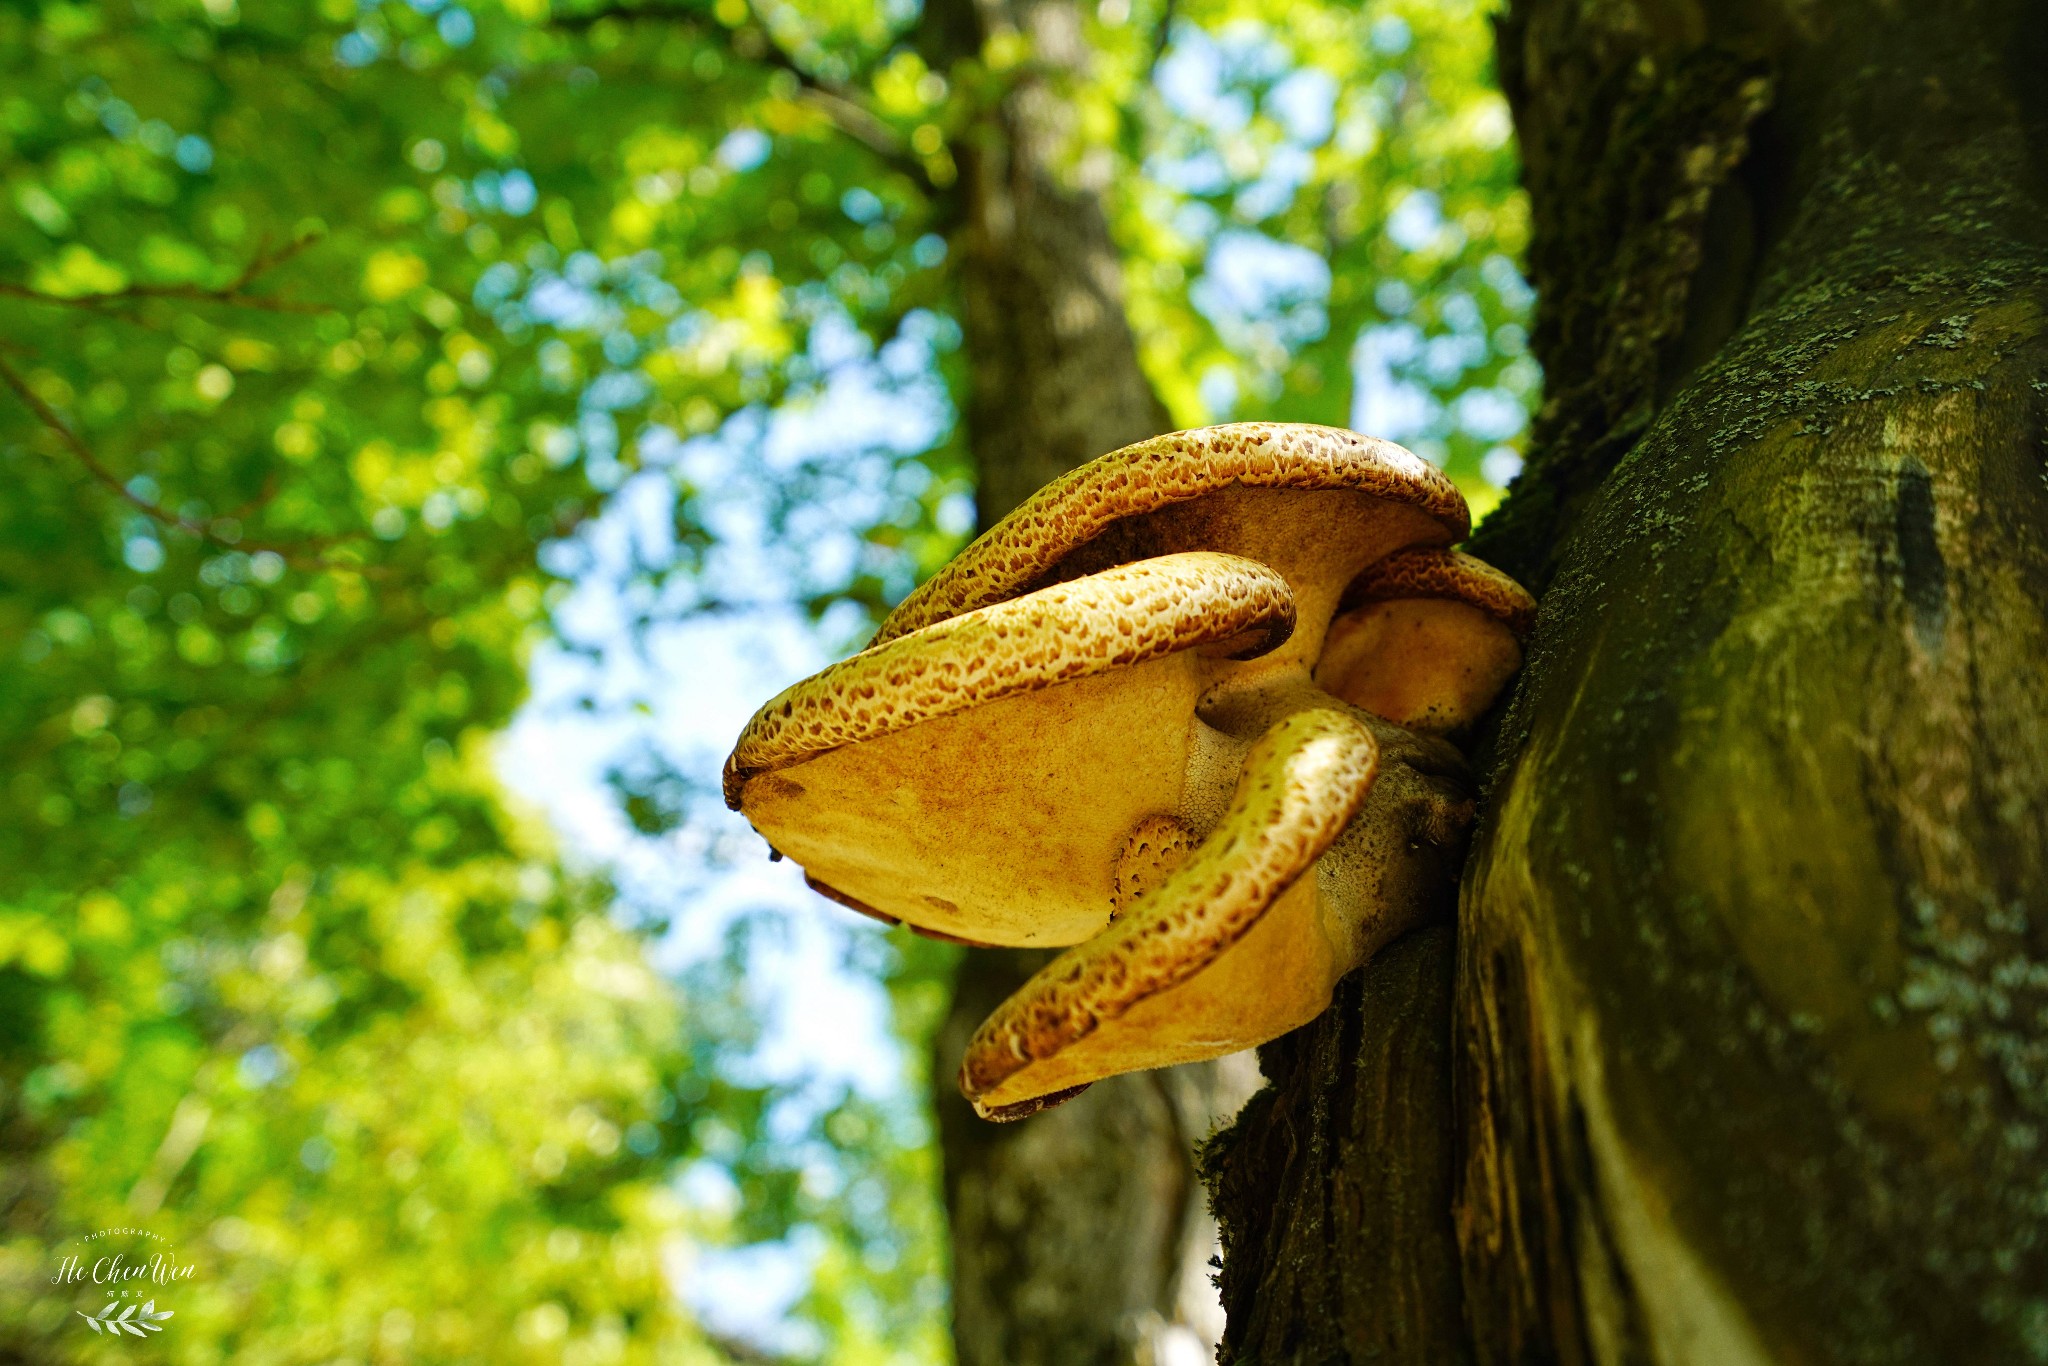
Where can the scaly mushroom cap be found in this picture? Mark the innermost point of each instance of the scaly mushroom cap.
(1102, 725)
(1315, 503)
(977, 777)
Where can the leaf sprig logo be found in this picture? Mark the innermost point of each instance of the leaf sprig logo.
(131, 1268)
(139, 1319)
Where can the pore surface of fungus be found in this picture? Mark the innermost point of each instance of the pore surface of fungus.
(1187, 709)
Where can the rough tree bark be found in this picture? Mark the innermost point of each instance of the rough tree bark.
(1740, 1052)
(1080, 1237)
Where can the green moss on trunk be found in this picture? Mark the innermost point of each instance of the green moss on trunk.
(1750, 1023)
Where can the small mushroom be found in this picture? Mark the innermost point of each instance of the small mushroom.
(1426, 638)
(1183, 709)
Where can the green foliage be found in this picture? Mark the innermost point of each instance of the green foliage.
(1371, 141)
(318, 322)
(284, 979)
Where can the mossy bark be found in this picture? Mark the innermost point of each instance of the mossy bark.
(1747, 1037)
(1343, 1154)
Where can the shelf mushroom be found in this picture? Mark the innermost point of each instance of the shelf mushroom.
(1184, 709)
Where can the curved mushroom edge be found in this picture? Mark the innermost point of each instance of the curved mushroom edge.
(855, 904)
(1156, 473)
(1025, 1109)
(1428, 572)
(831, 893)
(1301, 784)
(1112, 620)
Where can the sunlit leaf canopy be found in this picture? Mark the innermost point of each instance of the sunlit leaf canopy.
(336, 340)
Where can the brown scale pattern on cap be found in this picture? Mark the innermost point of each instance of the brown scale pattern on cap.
(1302, 782)
(1067, 513)
(1111, 620)
(1430, 573)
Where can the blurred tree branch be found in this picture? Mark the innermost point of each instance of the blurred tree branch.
(842, 104)
(1162, 38)
(221, 531)
(234, 293)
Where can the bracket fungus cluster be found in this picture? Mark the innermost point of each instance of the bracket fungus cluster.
(1186, 710)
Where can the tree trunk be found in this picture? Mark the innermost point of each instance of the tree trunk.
(1081, 1236)
(1746, 1038)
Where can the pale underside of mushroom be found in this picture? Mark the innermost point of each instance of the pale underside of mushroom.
(1183, 709)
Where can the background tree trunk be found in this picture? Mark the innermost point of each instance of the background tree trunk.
(1081, 1236)
(1745, 1045)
